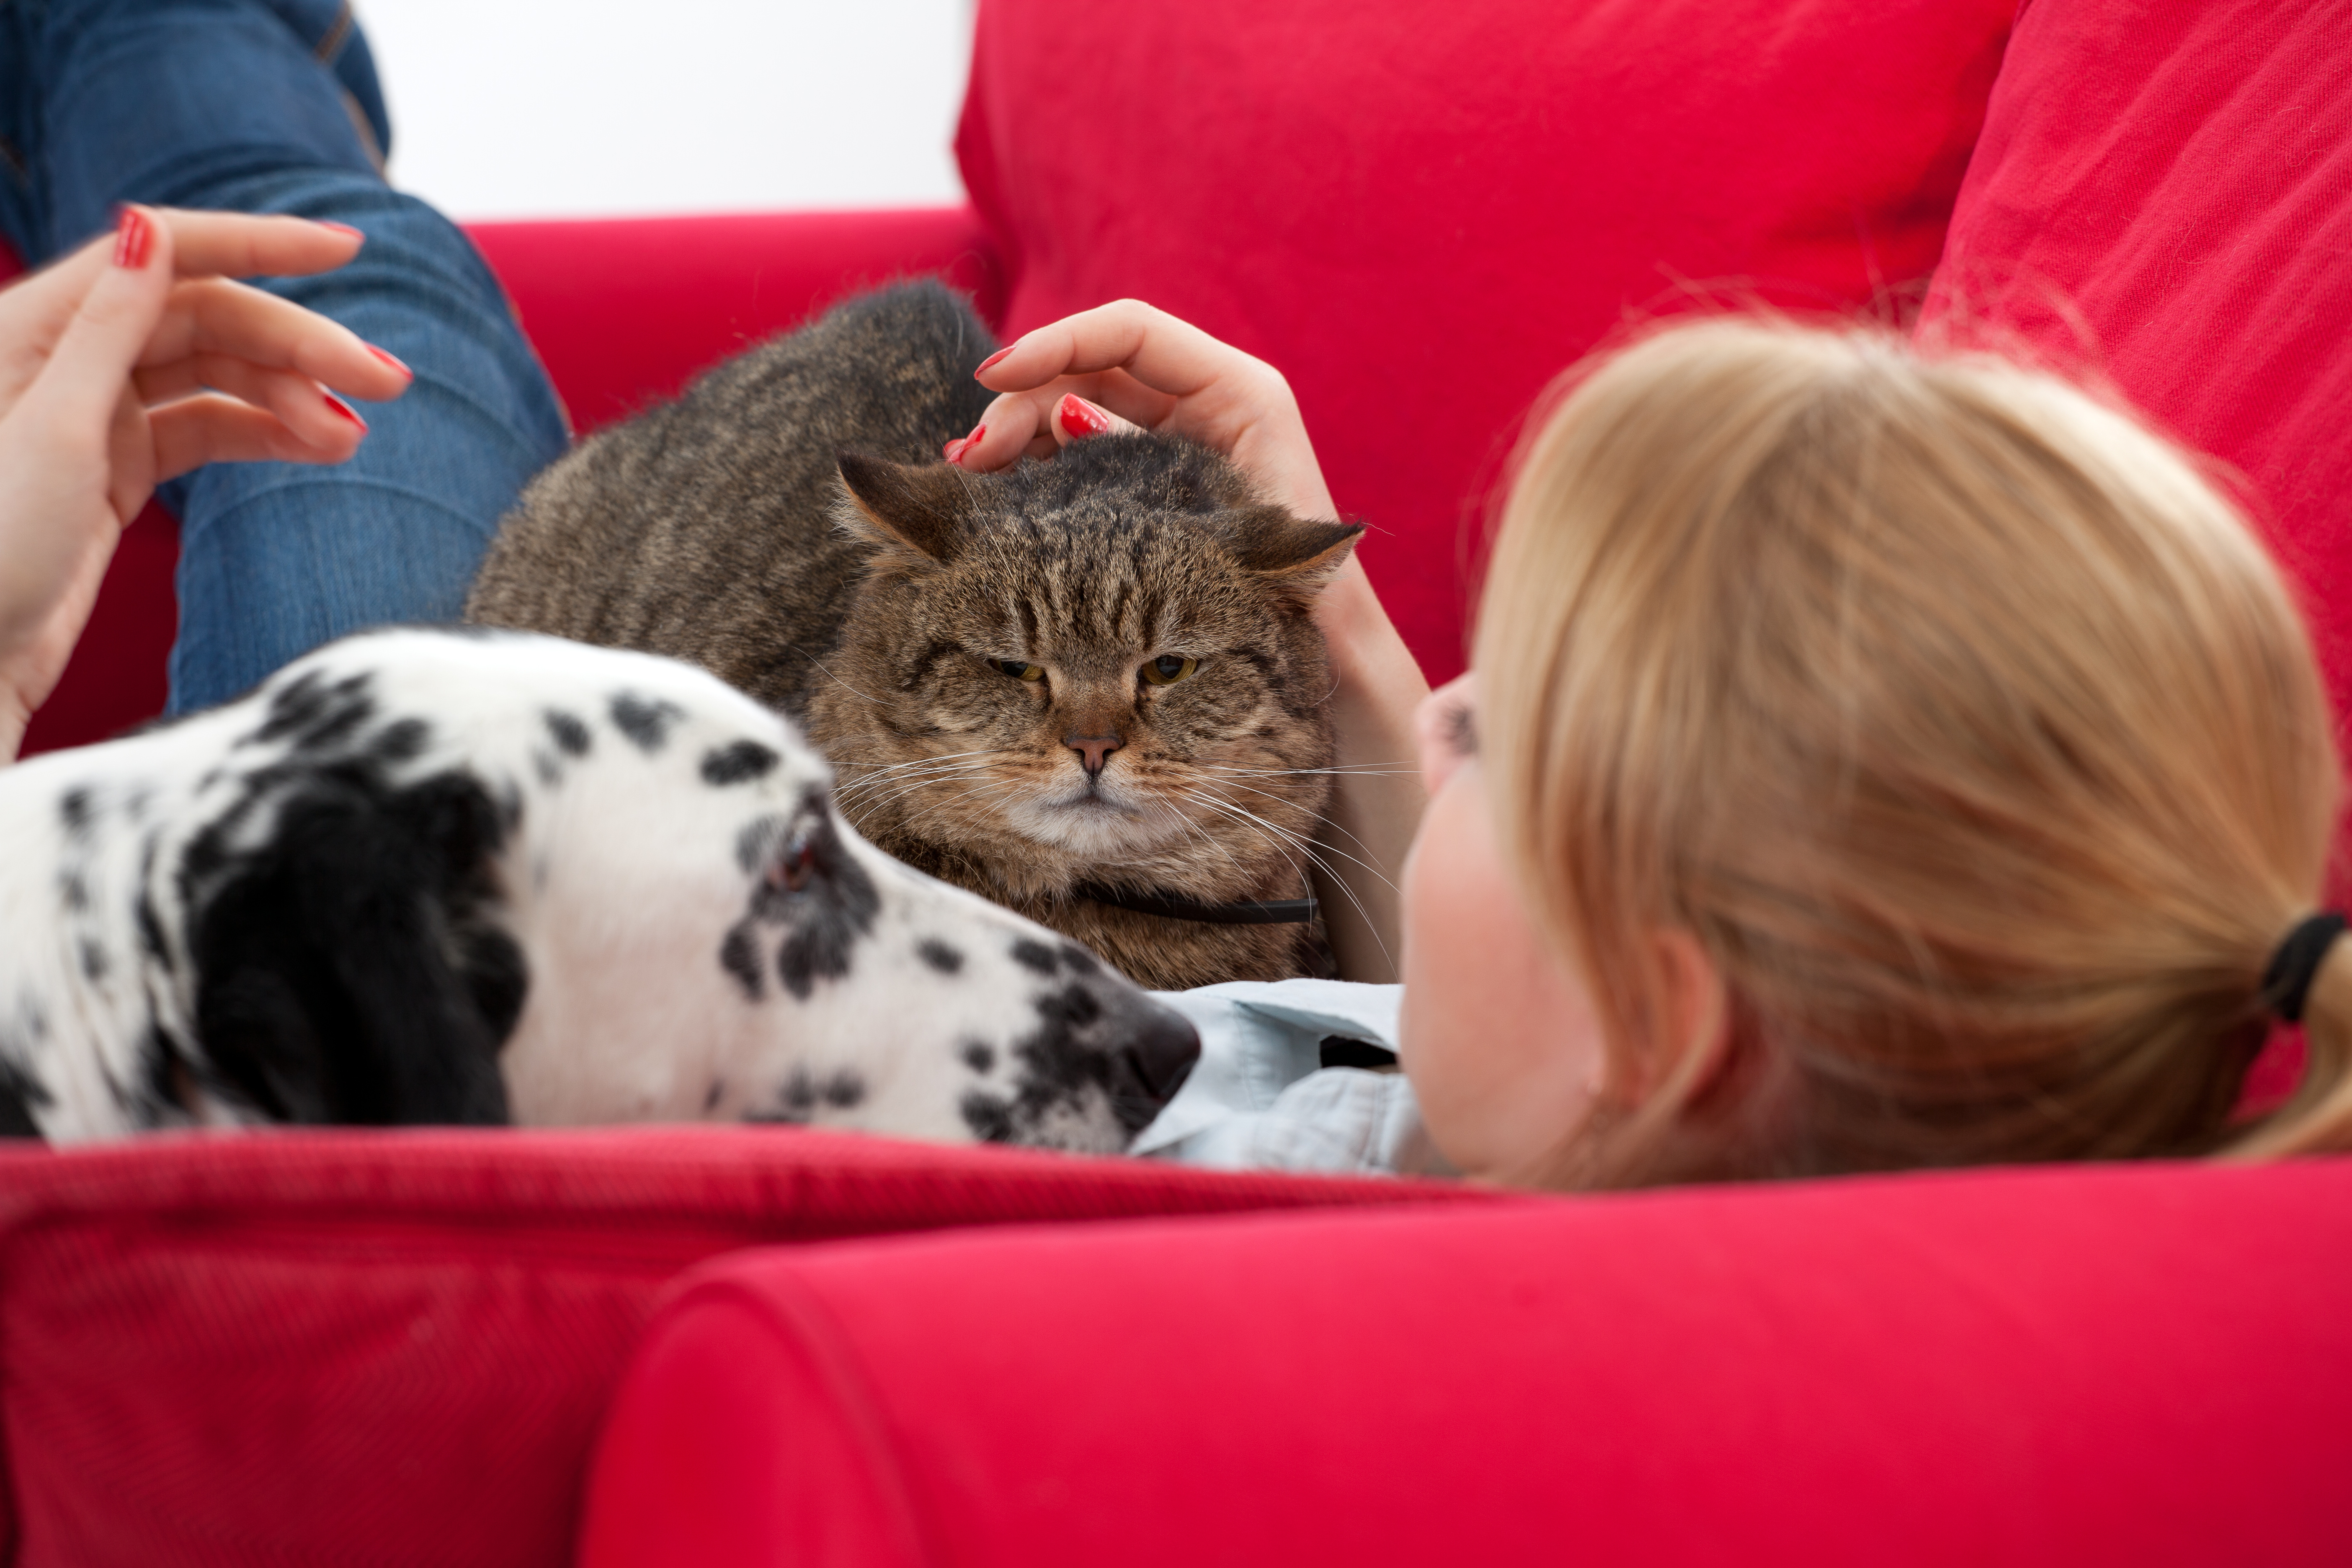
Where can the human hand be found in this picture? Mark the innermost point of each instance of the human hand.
(130, 361)
(1126, 365)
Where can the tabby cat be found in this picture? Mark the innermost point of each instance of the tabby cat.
(1087, 688)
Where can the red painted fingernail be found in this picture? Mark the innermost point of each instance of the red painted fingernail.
(991, 360)
(346, 409)
(1082, 418)
(391, 361)
(132, 236)
(339, 228)
(953, 450)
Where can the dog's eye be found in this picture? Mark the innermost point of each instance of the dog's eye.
(791, 869)
(1019, 670)
(1167, 669)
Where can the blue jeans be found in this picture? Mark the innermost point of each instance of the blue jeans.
(259, 106)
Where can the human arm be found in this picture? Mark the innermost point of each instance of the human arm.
(130, 361)
(1146, 369)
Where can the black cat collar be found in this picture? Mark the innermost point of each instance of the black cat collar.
(2286, 983)
(1277, 912)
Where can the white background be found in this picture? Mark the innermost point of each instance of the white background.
(575, 107)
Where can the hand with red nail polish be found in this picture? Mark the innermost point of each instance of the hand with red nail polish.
(1126, 366)
(133, 360)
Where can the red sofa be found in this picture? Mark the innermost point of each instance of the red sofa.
(712, 1346)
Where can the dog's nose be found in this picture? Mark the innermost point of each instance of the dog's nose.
(1161, 1052)
(1157, 1050)
(1094, 751)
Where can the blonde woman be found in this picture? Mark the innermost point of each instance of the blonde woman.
(1876, 762)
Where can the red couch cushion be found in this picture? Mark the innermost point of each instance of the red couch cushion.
(394, 1348)
(622, 312)
(1423, 213)
(2165, 191)
(2056, 1367)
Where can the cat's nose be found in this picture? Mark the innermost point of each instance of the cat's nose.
(1094, 751)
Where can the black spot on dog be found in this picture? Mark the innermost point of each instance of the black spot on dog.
(73, 890)
(20, 1094)
(989, 1116)
(160, 1082)
(571, 736)
(544, 763)
(399, 743)
(979, 1055)
(940, 955)
(349, 968)
(314, 715)
(738, 955)
(75, 811)
(759, 840)
(93, 962)
(739, 763)
(645, 723)
(718, 1091)
(1031, 953)
(1078, 961)
(844, 1089)
(795, 1101)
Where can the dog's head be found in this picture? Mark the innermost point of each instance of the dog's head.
(428, 876)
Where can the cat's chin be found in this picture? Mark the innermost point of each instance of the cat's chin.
(1091, 825)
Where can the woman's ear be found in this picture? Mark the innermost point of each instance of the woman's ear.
(1694, 1043)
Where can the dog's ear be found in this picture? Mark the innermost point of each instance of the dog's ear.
(347, 970)
(1271, 542)
(916, 507)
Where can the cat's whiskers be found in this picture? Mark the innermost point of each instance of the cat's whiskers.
(1353, 770)
(937, 809)
(1325, 822)
(1282, 835)
(868, 805)
(1283, 840)
(864, 789)
(914, 773)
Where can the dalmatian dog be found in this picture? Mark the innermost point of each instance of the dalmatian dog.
(468, 876)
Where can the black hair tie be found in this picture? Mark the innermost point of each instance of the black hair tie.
(2286, 983)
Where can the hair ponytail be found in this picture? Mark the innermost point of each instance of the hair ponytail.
(2316, 1118)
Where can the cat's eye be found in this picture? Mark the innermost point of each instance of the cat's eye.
(1167, 669)
(1019, 670)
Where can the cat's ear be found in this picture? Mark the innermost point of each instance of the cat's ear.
(1304, 554)
(917, 507)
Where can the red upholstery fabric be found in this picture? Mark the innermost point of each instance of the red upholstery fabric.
(622, 312)
(2168, 190)
(394, 1348)
(2058, 1368)
(1423, 213)
(626, 312)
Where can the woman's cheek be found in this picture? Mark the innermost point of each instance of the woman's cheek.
(1501, 1046)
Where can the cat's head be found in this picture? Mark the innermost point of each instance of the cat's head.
(1103, 660)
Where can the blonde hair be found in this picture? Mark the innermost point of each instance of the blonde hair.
(1960, 720)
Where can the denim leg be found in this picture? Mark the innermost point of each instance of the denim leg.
(225, 104)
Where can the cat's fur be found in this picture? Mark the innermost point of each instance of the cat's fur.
(786, 523)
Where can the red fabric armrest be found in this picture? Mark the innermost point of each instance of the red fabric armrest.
(2055, 1367)
(396, 1347)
